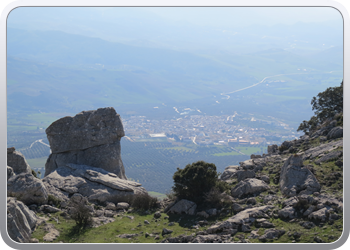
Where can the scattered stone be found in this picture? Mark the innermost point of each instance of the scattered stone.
(287, 213)
(146, 222)
(52, 234)
(166, 231)
(157, 215)
(127, 236)
(271, 234)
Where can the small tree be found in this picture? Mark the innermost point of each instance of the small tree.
(80, 212)
(326, 105)
(195, 180)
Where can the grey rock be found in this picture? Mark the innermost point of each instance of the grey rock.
(89, 138)
(230, 172)
(271, 234)
(326, 147)
(10, 172)
(99, 221)
(335, 133)
(50, 209)
(203, 214)
(244, 217)
(183, 206)
(97, 184)
(206, 239)
(320, 215)
(237, 208)
(20, 221)
(110, 206)
(249, 186)
(248, 164)
(17, 162)
(28, 189)
(309, 210)
(296, 178)
(52, 233)
(334, 155)
(123, 205)
(166, 231)
(271, 149)
(251, 200)
(265, 178)
(287, 213)
(291, 202)
(246, 228)
(244, 174)
(307, 224)
(157, 215)
(128, 236)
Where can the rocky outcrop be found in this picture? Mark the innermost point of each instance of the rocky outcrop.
(90, 138)
(97, 184)
(183, 207)
(335, 133)
(244, 217)
(296, 178)
(249, 186)
(10, 172)
(26, 188)
(20, 221)
(17, 161)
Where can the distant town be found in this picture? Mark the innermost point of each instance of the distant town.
(235, 129)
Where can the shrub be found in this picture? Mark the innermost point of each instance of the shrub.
(34, 174)
(195, 180)
(80, 213)
(217, 199)
(326, 105)
(143, 201)
(54, 200)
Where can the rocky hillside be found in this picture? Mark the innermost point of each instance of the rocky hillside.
(292, 194)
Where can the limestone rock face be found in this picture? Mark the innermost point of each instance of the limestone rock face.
(96, 184)
(20, 221)
(296, 178)
(183, 206)
(17, 161)
(26, 188)
(335, 133)
(249, 186)
(90, 138)
(10, 172)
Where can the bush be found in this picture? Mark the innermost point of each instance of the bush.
(143, 201)
(80, 213)
(326, 105)
(195, 180)
(53, 200)
(217, 199)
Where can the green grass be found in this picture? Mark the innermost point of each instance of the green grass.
(123, 225)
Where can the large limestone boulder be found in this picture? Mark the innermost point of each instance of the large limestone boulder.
(183, 207)
(245, 217)
(249, 186)
(17, 161)
(26, 188)
(335, 133)
(20, 221)
(90, 138)
(10, 172)
(229, 172)
(296, 178)
(96, 184)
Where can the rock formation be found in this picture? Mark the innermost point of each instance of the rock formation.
(17, 162)
(20, 221)
(296, 178)
(26, 188)
(90, 138)
(97, 184)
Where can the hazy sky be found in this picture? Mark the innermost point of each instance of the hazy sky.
(212, 16)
